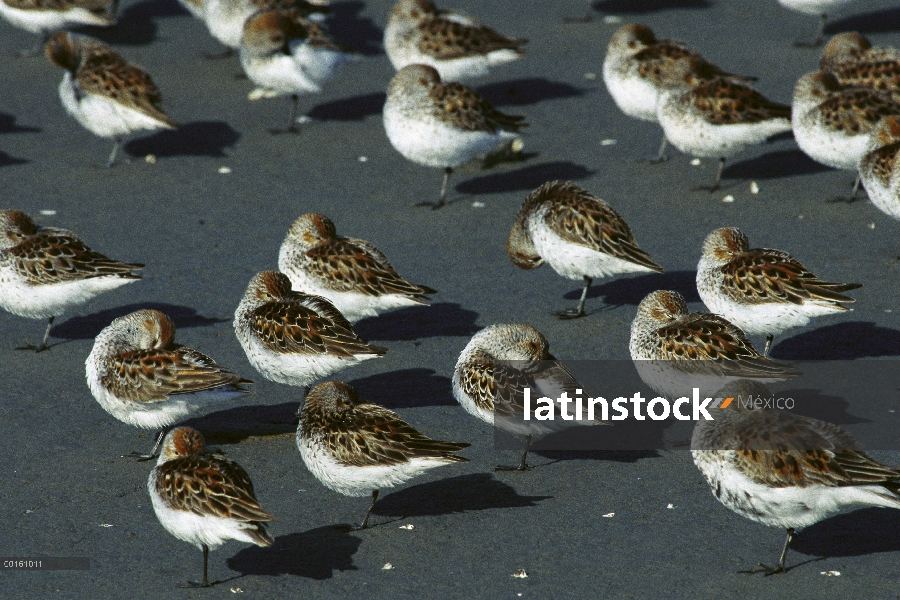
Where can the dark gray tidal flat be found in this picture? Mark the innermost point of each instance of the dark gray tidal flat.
(65, 492)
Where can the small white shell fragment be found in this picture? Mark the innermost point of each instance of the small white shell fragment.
(363, 159)
(408, 526)
(608, 143)
(387, 567)
(105, 525)
(48, 213)
(590, 76)
(224, 170)
(670, 506)
(754, 187)
(150, 159)
(728, 199)
(609, 515)
(260, 93)
(478, 204)
(28, 511)
(871, 225)
(517, 145)
(612, 19)
(695, 162)
(888, 310)
(236, 590)
(799, 216)
(831, 573)
(520, 574)
(304, 119)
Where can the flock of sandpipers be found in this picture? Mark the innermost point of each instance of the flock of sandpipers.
(296, 324)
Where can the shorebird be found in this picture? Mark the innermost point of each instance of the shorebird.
(579, 235)
(106, 94)
(287, 55)
(355, 448)
(786, 470)
(719, 118)
(295, 338)
(45, 17)
(45, 271)
(675, 351)
(140, 375)
(352, 274)
(443, 124)
(832, 123)
(639, 68)
(491, 375)
(760, 290)
(205, 499)
(458, 46)
(879, 169)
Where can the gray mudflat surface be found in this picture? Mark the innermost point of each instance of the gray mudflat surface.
(64, 491)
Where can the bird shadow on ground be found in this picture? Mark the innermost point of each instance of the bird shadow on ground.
(627, 441)
(356, 108)
(631, 290)
(784, 163)
(646, 6)
(8, 125)
(203, 138)
(526, 178)
(88, 326)
(315, 554)
(406, 388)
(521, 92)
(865, 531)
(879, 21)
(358, 33)
(6, 160)
(234, 425)
(134, 25)
(417, 322)
(844, 341)
(814, 404)
(624, 456)
(478, 491)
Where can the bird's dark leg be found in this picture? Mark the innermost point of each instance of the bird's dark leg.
(365, 523)
(205, 583)
(769, 339)
(112, 155)
(661, 155)
(523, 465)
(43, 345)
(153, 454)
(447, 172)
(443, 197)
(578, 312)
(717, 184)
(767, 570)
(292, 123)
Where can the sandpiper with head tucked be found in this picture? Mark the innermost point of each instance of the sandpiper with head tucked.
(356, 448)
(205, 499)
(45, 271)
(351, 273)
(579, 235)
(457, 45)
